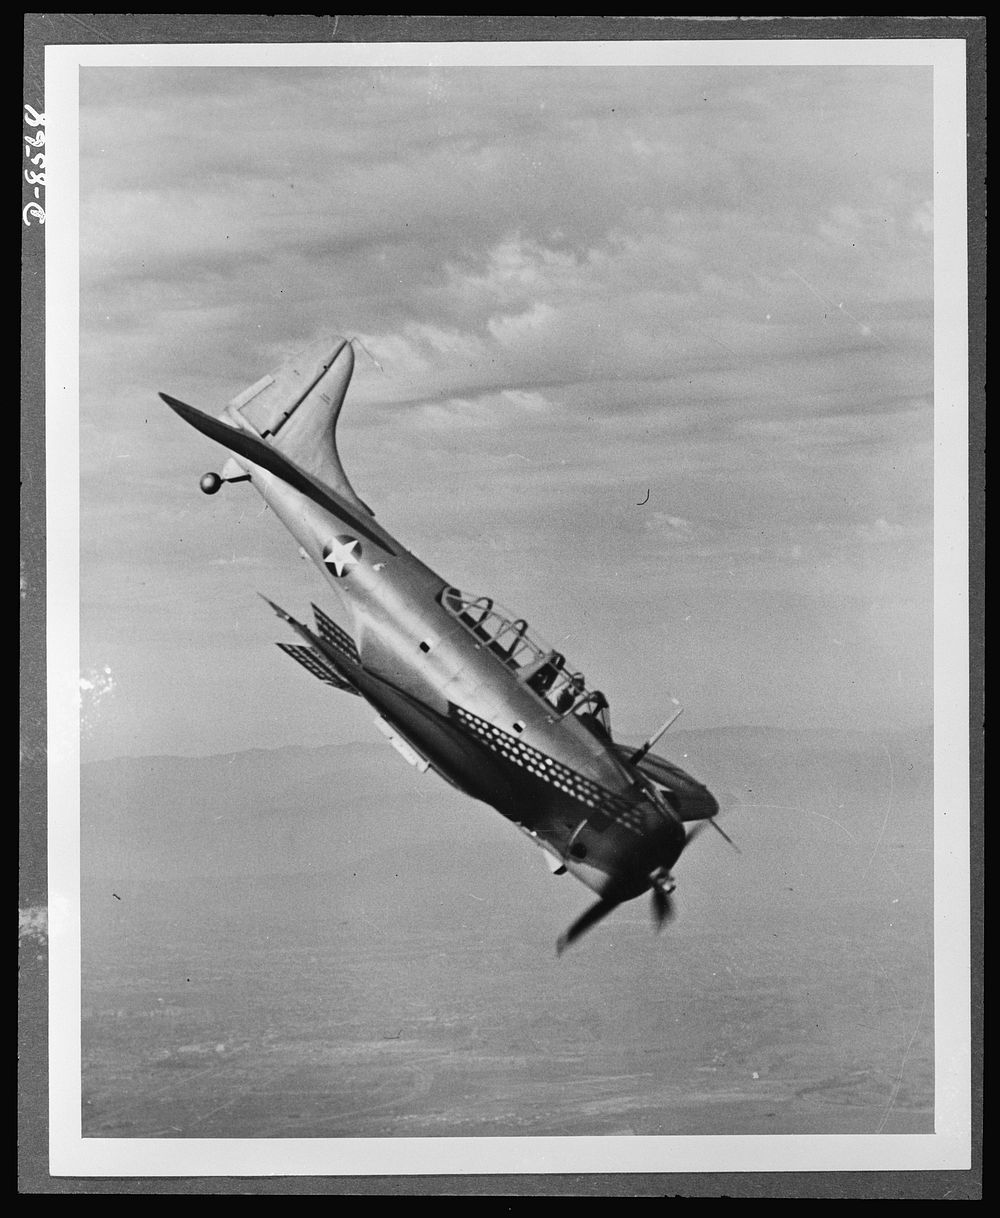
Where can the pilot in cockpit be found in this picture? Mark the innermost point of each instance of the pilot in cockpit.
(598, 712)
(542, 680)
(567, 698)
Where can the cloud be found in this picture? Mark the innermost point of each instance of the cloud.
(509, 407)
(666, 525)
(509, 329)
(525, 400)
(591, 224)
(714, 285)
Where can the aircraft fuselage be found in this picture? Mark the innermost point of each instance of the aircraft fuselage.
(466, 689)
(471, 717)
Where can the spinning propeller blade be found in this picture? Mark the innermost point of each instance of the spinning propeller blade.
(693, 833)
(583, 923)
(718, 829)
(661, 887)
(663, 907)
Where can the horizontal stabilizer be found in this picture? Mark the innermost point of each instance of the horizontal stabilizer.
(337, 637)
(313, 662)
(267, 457)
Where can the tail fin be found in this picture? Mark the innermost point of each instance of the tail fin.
(295, 409)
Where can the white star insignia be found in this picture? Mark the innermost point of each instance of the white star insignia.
(341, 554)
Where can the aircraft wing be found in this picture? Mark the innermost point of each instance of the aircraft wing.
(318, 665)
(330, 654)
(335, 636)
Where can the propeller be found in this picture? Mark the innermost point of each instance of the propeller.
(662, 884)
(663, 907)
(722, 833)
(584, 922)
(693, 833)
(663, 912)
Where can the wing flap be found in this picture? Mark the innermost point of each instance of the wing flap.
(318, 665)
(335, 636)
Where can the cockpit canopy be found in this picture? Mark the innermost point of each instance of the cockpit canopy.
(541, 668)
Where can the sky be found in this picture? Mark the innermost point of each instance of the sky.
(643, 353)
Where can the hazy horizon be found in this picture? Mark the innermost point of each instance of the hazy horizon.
(666, 746)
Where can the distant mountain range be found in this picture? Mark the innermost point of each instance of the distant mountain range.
(297, 809)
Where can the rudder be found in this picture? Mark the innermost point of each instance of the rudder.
(296, 410)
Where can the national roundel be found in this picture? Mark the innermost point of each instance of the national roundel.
(341, 554)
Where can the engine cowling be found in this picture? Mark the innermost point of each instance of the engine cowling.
(689, 798)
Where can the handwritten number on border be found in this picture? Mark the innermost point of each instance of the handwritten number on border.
(33, 210)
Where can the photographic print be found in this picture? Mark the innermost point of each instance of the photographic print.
(525, 400)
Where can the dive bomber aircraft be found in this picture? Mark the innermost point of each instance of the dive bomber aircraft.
(460, 685)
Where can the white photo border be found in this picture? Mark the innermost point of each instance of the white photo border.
(950, 1146)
